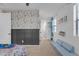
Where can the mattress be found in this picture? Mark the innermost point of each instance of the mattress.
(17, 50)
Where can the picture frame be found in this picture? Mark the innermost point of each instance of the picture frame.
(62, 20)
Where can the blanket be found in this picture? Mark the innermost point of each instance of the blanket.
(17, 50)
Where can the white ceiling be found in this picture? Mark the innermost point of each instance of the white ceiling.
(46, 9)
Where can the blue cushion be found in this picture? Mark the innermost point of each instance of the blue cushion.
(68, 47)
(59, 42)
(64, 48)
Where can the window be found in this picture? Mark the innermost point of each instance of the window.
(76, 19)
(54, 25)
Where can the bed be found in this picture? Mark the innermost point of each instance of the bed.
(17, 50)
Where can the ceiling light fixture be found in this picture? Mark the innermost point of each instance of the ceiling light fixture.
(27, 4)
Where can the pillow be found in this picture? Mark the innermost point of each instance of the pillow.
(6, 45)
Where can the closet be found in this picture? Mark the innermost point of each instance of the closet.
(25, 36)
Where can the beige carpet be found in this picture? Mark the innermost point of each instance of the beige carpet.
(44, 49)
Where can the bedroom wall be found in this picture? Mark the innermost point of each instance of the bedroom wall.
(67, 27)
(24, 19)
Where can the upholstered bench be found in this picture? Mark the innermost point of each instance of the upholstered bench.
(64, 48)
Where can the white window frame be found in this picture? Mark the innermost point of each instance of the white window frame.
(54, 25)
(76, 19)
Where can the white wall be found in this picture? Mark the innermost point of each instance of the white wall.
(5, 28)
(67, 27)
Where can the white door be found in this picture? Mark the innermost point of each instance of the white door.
(5, 28)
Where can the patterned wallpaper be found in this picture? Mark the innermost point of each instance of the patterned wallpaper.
(25, 19)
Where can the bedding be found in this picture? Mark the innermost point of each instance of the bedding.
(17, 50)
